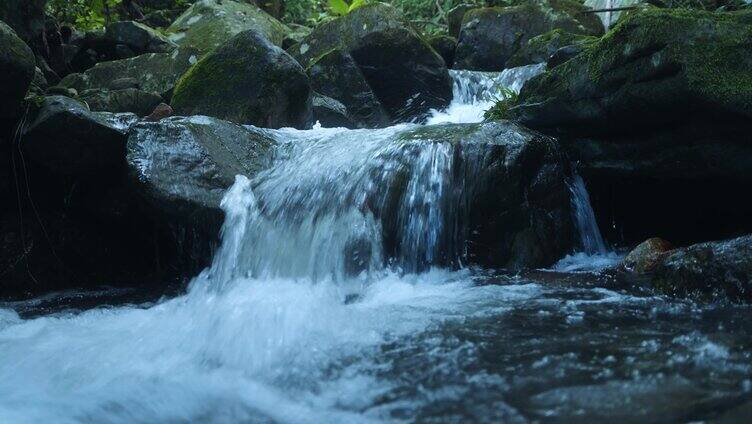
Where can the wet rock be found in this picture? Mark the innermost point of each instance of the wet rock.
(68, 139)
(247, 80)
(330, 113)
(156, 72)
(160, 112)
(444, 46)
(16, 73)
(336, 75)
(720, 270)
(182, 166)
(540, 49)
(138, 37)
(407, 76)
(647, 255)
(208, 24)
(130, 100)
(491, 36)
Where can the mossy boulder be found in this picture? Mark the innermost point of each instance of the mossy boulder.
(208, 24)
(336, 75)
(125, 100)
(713, 271)
(247, 80)
(157, 72)
(407, 76)
(491, 36)
(540, 49)
(16, 72)
(138, 37)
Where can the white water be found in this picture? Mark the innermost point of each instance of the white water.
(265, 333)
(609, 18)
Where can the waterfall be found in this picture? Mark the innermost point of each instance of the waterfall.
(590, 235)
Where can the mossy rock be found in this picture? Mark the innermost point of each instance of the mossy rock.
(156, 72)
(490, 36)
(655, 69)
(247, 80)
(539, 49)
(16, 71)
(408, 77)
(208, 24)
(336, 75)
(130, 100)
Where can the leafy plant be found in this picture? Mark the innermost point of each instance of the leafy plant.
(342, 8)
(84, 14)
(505, 101)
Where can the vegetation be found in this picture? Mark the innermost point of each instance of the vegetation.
(84, 14)
(505, 101)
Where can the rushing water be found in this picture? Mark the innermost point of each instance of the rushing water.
(298, 321)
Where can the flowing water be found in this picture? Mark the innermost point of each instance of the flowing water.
(298, 320)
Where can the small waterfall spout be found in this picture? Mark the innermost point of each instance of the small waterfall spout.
(590, 235)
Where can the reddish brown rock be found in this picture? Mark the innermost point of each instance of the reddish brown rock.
(647, 255)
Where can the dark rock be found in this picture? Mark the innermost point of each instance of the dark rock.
(247, 80)
(62, 91)
(296, 35)
(275, 8)
(161, 18)
(719, 270)
(123, 52)
(16, 73)
(539, 49)
(208, 24)
(336, 75)
(66, 138)
(330, 113)
(491, 36)
(26, 17)
(124, 83)
(182, 166)
(455, 16)
(564, 54)
(160, 112)
(39, 83)
(444, 46)
(130, 100)
(647, 255)
(138, 37)
(407, 76)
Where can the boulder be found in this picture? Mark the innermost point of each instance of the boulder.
(491, 36)
(540, 49)
(247, 80)
(182, 166)
(66, 138)
(720, 270)
(647, 255)
(336, 75)
(330, 113)
(159, 113)
(407, 76)
(275, 8)
(208, 24)
(157, 72)
(444, 46)
(455, 16)
(138, 37)
(130, 100)
(26, 17)
(16, 72)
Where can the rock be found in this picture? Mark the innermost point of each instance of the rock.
(208, 24)
(720, 270)
(16, 73)
(247, 80)
(647, 255)
(407, 76)
(38, 83)
(336, 75)
(138, 37)
(564, 54)
(491, 36)
(540, 49)
(156, 72)
(296, 35)
(26, 17)
(455, 16)
(275, 8)
(62, 91)
(130, 100)
(182, 166)
(330, 113)
(514, 190)
(161, 18)
(124, 83)
(68, 139)
(160, 112)
(444, 46)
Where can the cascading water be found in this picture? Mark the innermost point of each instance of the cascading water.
(590, 235)
(269, 332)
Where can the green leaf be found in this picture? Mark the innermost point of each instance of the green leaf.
(339, 7)
(356, 4)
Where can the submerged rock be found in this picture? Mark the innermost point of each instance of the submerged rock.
(407, 76)
(247, 80)
(16, 73)
(336, 75)
(208, 24)
(720, 270)
(68, 139)
(182, 166)
(491, 36)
